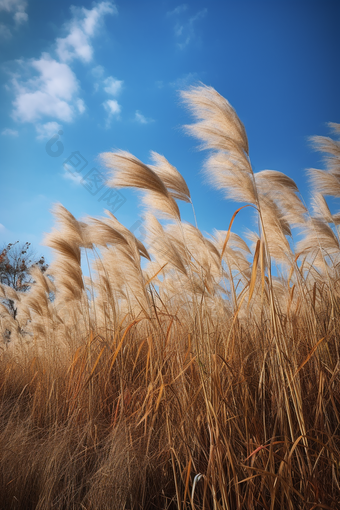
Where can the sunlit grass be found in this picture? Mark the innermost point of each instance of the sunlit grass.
(200, 380)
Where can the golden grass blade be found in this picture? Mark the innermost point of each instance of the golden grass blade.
(229, 228)
(309, 355)
(263, 265)
(254, 271)
(187, 480)
(156, 274)
(94, 366)
(133, 323)
(159, 397)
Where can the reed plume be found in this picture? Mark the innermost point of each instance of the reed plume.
(193, 371)
(129, 172)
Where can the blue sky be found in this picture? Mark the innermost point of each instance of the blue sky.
(108, 74)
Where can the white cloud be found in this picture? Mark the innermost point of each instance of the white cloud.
(98, 72)
(9, 132)
(139, 117)
(13, 5)
(184, 81)
(83, 26)
(52, 93)
(17, 8)
(2, 228)
(5, 32)
(70, 175)
(47, 86)
(20, 17)
(185, 31)
(113, 86)
(178, 10)
(112, 106)
(80, 105)
(178, 30)
(199, 15)
(47, 130)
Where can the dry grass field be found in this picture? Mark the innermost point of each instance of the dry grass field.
(188, 372)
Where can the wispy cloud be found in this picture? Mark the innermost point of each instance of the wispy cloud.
(80, 30)
(113, 86)
(184, 30)
(51, 92)
(141, 119)
(46, 131)
(181, 82)
(5, 32)
(80, 105)
(9, 132)
(184, 81)
(48, 87)
(98, 72)
(69, 175)
(113, 109)
(199, 15)
(20, 17)
(112, 106)
(178, 10)
(17, 8)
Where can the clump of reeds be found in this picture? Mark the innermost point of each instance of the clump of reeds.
(184, 372)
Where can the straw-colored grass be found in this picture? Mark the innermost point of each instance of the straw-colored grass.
(197, 379)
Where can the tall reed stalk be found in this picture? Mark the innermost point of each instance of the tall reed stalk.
(187, 373)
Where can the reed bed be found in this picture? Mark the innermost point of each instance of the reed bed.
(188, 371)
